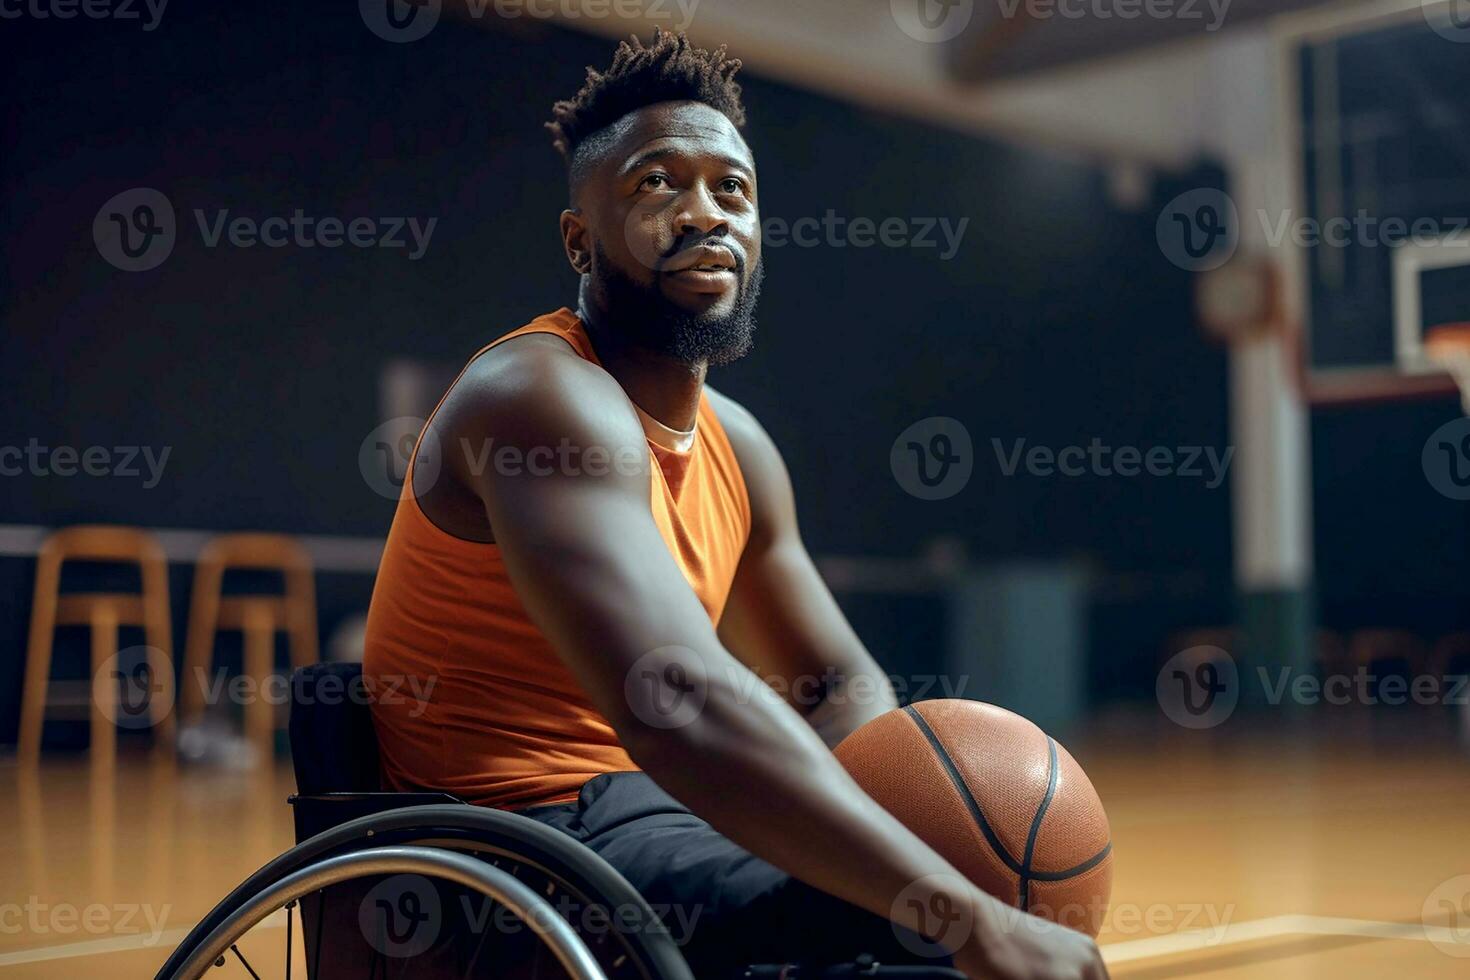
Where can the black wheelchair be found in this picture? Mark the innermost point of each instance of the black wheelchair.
(400, 885)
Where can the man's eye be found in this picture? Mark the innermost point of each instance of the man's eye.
(654, 182)
(732, 185)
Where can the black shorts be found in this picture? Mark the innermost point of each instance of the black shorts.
(725, 907)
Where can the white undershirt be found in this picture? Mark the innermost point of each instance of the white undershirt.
(663, 436)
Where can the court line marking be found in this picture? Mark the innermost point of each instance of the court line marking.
(163, 942)
(1194, 940)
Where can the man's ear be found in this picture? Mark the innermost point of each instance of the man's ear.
(574, 240)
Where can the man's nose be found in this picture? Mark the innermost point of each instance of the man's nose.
(699, 213)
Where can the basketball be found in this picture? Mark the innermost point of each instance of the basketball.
(998, 798)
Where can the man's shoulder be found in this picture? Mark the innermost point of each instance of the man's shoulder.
(754, 449)
(510, 364)
(535, 387)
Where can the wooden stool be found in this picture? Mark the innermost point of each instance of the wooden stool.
(257, 616)
(104, 612)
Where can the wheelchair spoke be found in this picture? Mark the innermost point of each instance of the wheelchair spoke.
(316, 960)
(243, 961)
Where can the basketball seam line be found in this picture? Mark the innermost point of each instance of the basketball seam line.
(1087, 865)
(964, 791)
(1051, 791)
(974, 806)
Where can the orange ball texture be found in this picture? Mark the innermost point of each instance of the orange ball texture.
(998, 798)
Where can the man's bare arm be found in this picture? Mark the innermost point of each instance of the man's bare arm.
(595, 575)
(781, 619)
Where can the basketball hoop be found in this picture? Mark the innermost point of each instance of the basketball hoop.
(1448, 347)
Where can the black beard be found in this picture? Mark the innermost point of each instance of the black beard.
(643, 317)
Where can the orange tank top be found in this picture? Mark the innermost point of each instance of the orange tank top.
(469, 697)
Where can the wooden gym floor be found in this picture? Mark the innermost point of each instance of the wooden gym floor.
(1328, 851)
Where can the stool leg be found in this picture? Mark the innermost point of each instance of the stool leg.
(161, 703)
(104, 647)
(260, 714)
(102, 810)
(199, 643)
(161, 699)
(38, 658)
(32, 826)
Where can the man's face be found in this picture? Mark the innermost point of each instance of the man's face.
(667, 228)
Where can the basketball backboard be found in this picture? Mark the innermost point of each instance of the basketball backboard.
(1381, 145)
(1428, 289)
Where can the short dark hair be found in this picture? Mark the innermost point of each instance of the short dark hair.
(668, 69)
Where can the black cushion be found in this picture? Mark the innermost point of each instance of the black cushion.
(333, 746)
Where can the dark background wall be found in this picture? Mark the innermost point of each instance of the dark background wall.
(1057, 321)
(1390, 549)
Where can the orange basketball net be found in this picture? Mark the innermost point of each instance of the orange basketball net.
(1448, 346)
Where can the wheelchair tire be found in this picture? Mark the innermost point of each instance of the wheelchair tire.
(646, 947)
(434, 862)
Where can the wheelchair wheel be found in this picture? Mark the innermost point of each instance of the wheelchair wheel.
(631, 943)
(486, 879)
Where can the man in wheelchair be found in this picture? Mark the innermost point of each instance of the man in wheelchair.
(596, 578)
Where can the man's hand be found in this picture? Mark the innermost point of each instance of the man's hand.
(1008, 944)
